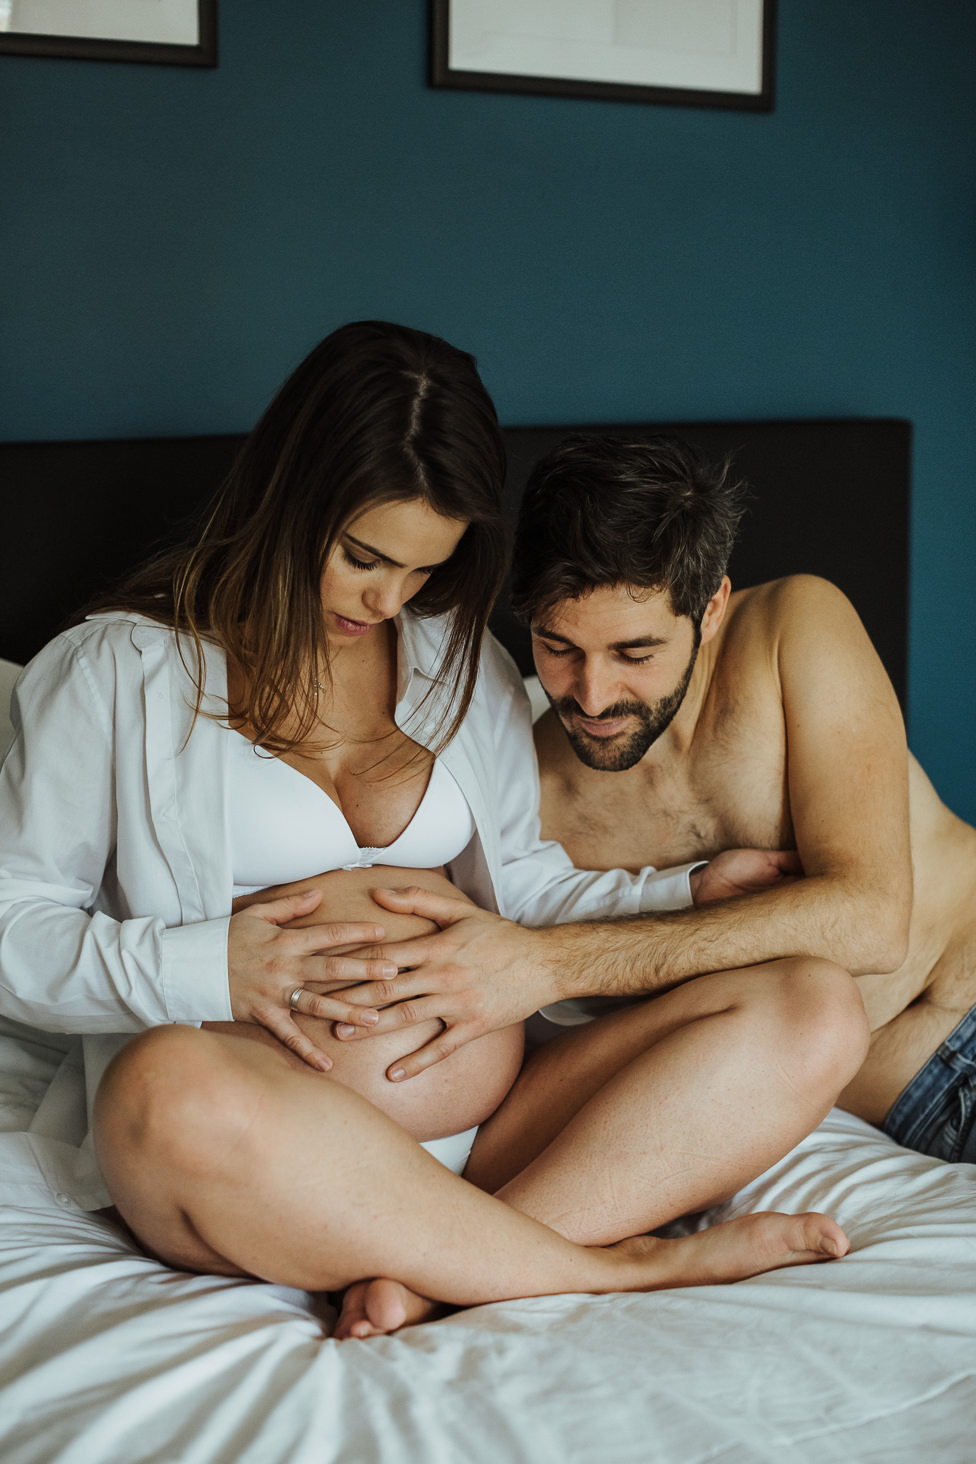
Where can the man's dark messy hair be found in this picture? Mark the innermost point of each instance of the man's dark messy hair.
(604, 511)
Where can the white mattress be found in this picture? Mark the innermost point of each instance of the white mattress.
(109, 1358)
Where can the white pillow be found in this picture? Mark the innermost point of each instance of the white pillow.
(8, 675)
(538, 698)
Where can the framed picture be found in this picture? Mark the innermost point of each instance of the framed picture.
(688, 53)
(166, 32)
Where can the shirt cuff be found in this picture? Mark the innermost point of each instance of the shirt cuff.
(664, 889)
(669, 889)
(194, 972)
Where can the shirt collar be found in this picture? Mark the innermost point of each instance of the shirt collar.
(420, 646)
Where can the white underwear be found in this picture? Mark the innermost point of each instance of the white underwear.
(453, 1150)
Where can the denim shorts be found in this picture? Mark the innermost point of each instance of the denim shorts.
(936, 1113)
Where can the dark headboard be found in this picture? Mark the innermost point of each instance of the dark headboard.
(829, 498)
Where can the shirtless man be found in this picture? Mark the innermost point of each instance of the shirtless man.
(679, 728)
(687, 720)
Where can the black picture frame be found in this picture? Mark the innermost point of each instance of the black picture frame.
(442, 74)
(90, 48)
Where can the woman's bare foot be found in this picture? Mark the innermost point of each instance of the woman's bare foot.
(374, 1308)
(735, 1250)
(728, 1252)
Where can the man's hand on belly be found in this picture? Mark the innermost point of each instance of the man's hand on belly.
(478, 973)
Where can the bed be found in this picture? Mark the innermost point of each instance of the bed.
(109, 1358)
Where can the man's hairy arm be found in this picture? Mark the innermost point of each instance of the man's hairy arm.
(848, 788)
(847, 764)
(847, 767)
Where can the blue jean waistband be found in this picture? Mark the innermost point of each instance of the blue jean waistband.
(919, 1103)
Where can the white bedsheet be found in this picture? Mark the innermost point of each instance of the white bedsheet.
(109, 1358)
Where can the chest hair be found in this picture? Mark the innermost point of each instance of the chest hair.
(726, 790)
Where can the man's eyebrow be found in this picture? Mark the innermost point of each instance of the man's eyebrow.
(639, 643)
(378, 554)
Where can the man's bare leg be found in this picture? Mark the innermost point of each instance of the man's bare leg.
(657, 1111)
(224, 1159)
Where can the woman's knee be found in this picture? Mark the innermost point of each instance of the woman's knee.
(825, 1032)
(164, 1103)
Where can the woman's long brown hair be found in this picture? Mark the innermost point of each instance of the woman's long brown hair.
(376, 413)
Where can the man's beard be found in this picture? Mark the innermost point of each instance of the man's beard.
(617, 754)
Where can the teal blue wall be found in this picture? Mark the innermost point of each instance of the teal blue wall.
(173, 240)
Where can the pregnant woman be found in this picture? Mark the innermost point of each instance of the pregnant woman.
(303, 688)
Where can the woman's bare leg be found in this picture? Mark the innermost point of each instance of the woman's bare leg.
(660, 1110)
(224, 1159)
(671, 1106)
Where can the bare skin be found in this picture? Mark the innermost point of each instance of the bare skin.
(789, 737)
(450, 1098)
(228, 1156)
(232, 1156)
(637, 1074)
(787, 663)
(721, 777)
(359, 757)
(225, 1159)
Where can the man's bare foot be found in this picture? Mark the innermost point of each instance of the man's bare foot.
(736, 1249)
(374, 1308)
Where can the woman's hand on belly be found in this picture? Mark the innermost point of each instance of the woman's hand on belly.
(269, 959)
(454, 1095)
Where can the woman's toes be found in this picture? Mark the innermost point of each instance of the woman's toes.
(391, 1305)
(378, 1307)
(353, 1319)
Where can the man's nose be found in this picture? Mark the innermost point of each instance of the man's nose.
(595, 690)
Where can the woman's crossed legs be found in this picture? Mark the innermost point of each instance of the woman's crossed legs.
(223, 1157)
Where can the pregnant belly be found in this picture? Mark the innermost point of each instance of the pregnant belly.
(453, 1095)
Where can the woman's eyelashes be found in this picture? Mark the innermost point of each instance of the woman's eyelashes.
(359, 563)
(366, 564)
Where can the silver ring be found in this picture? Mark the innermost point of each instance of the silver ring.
(293, 999)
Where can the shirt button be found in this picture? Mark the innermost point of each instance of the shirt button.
(63, 1199)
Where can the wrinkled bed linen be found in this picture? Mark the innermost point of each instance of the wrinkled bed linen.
(107, 1356)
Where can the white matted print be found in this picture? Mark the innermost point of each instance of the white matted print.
(700, 52)
(181, 31)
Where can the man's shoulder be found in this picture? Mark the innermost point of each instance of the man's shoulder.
(777, 632)
(799, 636)
(791, 594)
(765, 612)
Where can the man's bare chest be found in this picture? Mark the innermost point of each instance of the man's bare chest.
(728, 791)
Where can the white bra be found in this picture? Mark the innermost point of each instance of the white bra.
(283, 827)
